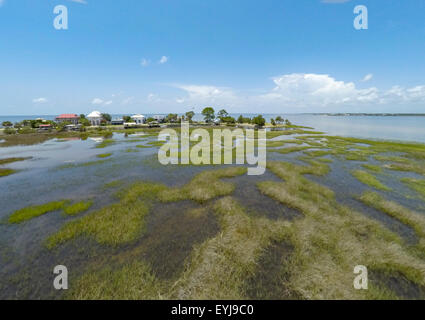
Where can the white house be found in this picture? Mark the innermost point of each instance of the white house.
(95, 118)
(138, 118)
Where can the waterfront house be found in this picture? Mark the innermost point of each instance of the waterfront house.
(117, 122)
(138, 119)
(95, 118)
(44, 127)
(159, 118)
(68, 117)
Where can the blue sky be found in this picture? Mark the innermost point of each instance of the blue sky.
(270, 56)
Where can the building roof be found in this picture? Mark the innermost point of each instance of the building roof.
(94, 114)
(137, 116)
(68, 116)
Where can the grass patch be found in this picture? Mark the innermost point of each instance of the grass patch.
(156, 143)
(393, 209)
(115, 224)
(218, 269)
(372, 167)
(105, 143)
(104, 155)
(6, 172)
(204, 186)
(370, 180)
(330, 239)
(11, 160)
(31, 212)
(113, 184)
(407, 167)
(134, 281)
(415, 184)
(275, 144)
(290, 149)
(77, 208)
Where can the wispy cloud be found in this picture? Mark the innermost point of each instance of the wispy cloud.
(39, 100)
(335, 1)
(1, 2)
(144, 62)
(367, 77)
(163, 60)
(78, 1)
(97, 101)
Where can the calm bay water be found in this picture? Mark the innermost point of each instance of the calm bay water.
(405, 128)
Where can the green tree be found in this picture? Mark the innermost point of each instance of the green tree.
(189, 115)
(273, 122)
(7, 124)
(85, 122)
(171, 118)
(209, 114)
(279, 119)
(127, 119)
(222, 114)
(259, 120)
(106, 117)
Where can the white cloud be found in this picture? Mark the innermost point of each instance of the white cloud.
(367, 77)
(335, 1)
(39, 100)
(79, 1)
(308, 92)
(97, 101)
(163, 60)
(144, 62)
(1, 2)
(301, 89)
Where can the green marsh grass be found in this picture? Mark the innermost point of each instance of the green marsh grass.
(11, 160)
(77, 208)
(372, 168)
(115, 224)
(370, 180)
(395, 210)
(204, 186)
(105, 143)
(6, 172)
(104, 155)
(330, 239)
(415, 184)
(31, 212)
(134, 281)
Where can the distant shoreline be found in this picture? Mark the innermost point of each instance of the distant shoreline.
(370, 114)
(283, 113)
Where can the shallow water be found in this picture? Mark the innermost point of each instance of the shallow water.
(70, 169)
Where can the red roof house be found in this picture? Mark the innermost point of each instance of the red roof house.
(68, 117)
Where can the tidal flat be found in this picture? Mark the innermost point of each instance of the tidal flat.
(127, 227)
